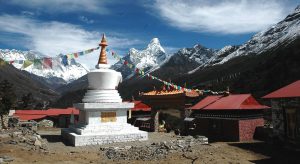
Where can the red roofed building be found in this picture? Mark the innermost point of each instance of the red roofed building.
(140, 106)
(285, 104)
(60, 117)
(232, 117)
(140, 115)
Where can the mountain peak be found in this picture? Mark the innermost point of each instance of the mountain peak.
(297, 9)
(154, 41)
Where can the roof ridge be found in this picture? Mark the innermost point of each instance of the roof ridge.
(221, 96)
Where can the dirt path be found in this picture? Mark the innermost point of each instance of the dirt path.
(219, 152)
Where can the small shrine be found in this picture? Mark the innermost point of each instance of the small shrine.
(102, 114)
(163, 100)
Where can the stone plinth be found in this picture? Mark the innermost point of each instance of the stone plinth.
(93, 128)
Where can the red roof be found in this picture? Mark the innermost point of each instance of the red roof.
(39, 114)
(204, 102)
(292, 90)
(139, 106)
(31, 117)
(231, 102)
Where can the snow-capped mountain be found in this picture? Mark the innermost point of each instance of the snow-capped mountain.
(67, 73)
(151, 57)
(198, 53)
(282, 33)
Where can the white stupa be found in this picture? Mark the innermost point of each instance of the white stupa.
(103, 115)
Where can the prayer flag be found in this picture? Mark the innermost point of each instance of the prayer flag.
(47, 63)
(26, 63)
(37, 63)
(2, 63)
(64, 60)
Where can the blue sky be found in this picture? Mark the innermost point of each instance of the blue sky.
(65, 26)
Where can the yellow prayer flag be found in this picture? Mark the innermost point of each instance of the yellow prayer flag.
(2, 63)
(27, 63)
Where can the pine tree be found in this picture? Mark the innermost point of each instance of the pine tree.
(7, 99)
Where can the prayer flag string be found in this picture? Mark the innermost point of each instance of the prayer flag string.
(168, 84)
(48, 62)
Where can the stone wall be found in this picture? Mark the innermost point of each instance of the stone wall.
(5, 117)
(277, 120)
(247, 128)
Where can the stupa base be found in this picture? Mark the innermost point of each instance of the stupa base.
(99, 139)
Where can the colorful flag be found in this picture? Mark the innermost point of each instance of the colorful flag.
(26, 64)
(2, 63)
(47, 63)
(20, 61)
(64, 60)
(37, 63)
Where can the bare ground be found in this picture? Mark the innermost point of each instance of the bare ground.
(217, 152)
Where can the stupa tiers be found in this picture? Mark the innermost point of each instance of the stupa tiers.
(103, 115)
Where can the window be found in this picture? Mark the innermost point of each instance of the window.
(108, 117)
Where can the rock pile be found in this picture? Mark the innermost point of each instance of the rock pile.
(45, 123)
(5, 118)
(155, 151)
(25, 137)
(5, 158)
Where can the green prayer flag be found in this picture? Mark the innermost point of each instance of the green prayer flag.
(37, 63)
(27, 63)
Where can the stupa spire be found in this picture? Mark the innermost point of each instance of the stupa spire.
(102, 57)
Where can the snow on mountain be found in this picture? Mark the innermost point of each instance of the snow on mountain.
(152, 56)
(198, 53)
(283, 32)
(68, 73)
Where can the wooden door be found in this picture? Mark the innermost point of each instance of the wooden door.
(291, 123)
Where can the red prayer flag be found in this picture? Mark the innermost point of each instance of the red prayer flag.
(47, 63)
